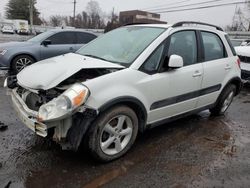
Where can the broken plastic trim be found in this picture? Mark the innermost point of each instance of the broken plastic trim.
(76, 133)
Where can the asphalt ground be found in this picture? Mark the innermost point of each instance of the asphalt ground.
(197, 151)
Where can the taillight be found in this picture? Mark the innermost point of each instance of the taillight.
(238, 62)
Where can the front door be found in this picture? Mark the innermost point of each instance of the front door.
(61, 43)
(175, 91)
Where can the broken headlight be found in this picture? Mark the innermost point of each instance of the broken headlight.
(67, 102)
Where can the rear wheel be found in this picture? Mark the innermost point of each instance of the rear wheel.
(20, 62)
(224, 101)
(113, 133)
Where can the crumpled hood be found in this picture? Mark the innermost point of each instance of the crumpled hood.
(243, 50)
(49, 73)
(10, 45)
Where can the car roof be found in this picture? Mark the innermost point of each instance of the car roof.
(150, 25)
(74, 30)
(166, 26)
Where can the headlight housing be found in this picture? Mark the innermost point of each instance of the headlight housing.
(2, 52)
(67, 102)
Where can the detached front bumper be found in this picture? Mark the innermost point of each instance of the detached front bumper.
(69, 135)
(28, 116)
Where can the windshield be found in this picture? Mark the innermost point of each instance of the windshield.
(41, 37)
(122, 45)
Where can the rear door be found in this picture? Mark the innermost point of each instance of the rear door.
(216, 67)
(83, 38)
(61, 43)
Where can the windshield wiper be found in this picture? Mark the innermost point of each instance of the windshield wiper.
(89, 55)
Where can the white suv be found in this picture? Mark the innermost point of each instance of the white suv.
(128, 80)
(244, 55)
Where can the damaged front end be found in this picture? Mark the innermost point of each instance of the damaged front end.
(58, 112)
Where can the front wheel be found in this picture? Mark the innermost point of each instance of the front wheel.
(20, 62)
(224, 101)
(113, 133)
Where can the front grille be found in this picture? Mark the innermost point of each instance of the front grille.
(244, 59)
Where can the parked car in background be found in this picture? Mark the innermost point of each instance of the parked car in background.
(7, 29)
(244, 55)
(240, 42)
(15, 56)
(126, 81)
(21, 27)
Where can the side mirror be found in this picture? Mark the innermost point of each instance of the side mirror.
(175, 61)
(46, 42)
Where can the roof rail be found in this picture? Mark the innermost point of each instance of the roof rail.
(198, 23)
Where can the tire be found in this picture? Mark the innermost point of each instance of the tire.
(106, 133)
(224, 100)
(20, 62)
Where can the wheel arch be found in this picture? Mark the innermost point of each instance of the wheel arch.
(19, 54)
(132, 102)
(235, 81)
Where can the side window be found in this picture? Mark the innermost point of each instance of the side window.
(152, 63)
(62, 38)
(213, 46)
(184, 44)
(84, 38)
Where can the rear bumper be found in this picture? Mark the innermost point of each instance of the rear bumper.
(8, 32)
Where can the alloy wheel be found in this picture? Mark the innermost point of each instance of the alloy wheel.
(22, 63)
(116, 135)
(227, 102)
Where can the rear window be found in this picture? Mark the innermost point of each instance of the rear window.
(231, 45)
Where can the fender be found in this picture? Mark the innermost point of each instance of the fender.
(237, 81)
(132, 102)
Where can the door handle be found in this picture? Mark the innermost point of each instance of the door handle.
(71, 48)
(228, 67)
(197, 73)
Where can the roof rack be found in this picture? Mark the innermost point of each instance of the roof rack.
(198, 23)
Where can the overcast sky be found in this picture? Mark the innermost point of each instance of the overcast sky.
(219, 15)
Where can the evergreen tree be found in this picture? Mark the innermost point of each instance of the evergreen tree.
(19, 9)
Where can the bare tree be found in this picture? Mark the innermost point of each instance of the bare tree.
(56, 20)
(94, 12)
(113, 21)
(91, 18)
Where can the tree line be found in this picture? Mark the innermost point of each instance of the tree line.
(92, 17)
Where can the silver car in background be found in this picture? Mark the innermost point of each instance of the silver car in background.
(7, 29)
(14, 56)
